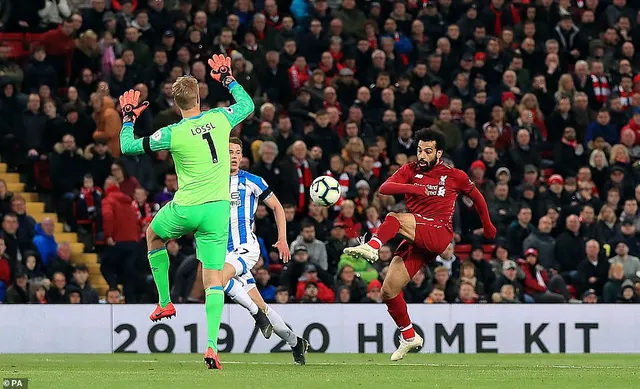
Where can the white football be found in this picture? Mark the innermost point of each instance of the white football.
(325, 191)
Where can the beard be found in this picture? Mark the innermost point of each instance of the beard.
(425, 165)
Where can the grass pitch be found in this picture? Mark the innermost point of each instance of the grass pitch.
(327, 371)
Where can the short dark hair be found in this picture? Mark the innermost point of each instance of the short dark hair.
(307, 224)
(9, 214)
(235, 141)
(431, 135)
(113, 290)
(288, 205)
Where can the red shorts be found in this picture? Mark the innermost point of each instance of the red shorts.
(431, 239)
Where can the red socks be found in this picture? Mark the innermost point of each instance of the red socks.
(397, 308)
(387, 230)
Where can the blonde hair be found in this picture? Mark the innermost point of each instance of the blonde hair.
(185, 92)
(612, 214)
(616, 266)
(530, 97)
(592, 158)
(614, 153)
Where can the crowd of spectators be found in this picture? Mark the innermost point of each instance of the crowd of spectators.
(539, 103)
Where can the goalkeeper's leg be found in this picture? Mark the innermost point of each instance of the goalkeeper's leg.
(163, 225)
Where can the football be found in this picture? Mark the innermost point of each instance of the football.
(325, 191)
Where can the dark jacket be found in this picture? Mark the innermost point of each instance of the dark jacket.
(67, 170)
(569, 251)
(587, 270)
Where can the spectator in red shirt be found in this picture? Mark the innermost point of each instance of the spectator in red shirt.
(347, 217)
(121, 232)
(5, 269)
(299, 74)
(308, 282)
(537, 282)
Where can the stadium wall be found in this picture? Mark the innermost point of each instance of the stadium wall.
(349, 328)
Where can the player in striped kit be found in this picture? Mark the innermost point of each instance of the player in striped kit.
(243, 250)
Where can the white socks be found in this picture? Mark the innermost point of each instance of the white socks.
(280, 328)
(240, 296)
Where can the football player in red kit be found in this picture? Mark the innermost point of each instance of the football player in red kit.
(431, 189)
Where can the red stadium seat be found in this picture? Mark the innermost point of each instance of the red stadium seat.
(488, 248)
(462, 249)
(276, 268)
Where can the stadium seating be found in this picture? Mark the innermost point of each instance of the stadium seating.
(36, 210)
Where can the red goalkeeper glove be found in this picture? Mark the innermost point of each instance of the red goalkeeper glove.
(130, 107)
(221, 69)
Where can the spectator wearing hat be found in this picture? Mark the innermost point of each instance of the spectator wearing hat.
(539, 285)
(477, 175)
(317, 252)
(18, 293)
(335, 244)
(618, 179)
(510, 274)
(311, 276)
(630, 263)
(590, 297)
(374, 293)
(555, 195)
(593, 270)
(541, 240)
(627, 294)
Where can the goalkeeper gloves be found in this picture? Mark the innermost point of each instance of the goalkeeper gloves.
(130, 107)
(221, 69)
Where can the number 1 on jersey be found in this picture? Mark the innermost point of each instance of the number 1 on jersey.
(212, 147)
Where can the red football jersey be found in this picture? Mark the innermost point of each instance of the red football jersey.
(443, 183)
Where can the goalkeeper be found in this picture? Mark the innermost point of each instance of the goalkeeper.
(199, 145)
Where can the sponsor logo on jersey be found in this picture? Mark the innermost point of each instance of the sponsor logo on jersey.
(229, 110)
(235, 199)
(418, 176)
(156, 135)
(437, 190)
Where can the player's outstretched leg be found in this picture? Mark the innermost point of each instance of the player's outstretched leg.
(393, 224)
(234, 290)
(299, 345)
(397, 278)
(159, 262)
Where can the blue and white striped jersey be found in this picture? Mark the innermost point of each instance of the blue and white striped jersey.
(246, 190)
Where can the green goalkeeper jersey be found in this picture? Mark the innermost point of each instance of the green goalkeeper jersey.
(200, 149)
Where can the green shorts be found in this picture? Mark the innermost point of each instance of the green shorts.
(209, 222)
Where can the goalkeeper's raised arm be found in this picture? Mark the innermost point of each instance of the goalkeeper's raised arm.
(161, 139)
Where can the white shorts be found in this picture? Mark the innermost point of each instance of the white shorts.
(243, 259)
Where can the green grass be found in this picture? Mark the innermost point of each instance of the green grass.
(330, 371)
